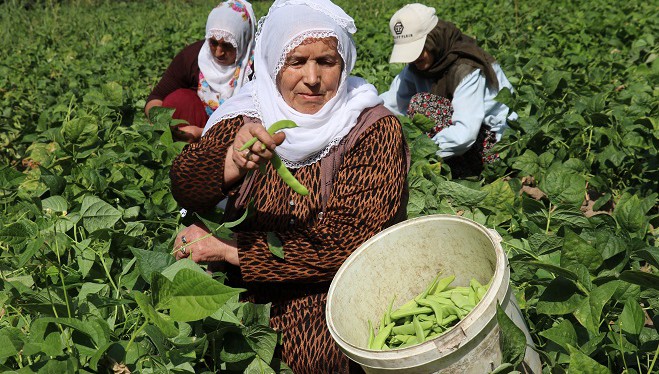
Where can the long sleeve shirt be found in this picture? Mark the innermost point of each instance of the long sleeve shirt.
(182, 72)
(473, 104)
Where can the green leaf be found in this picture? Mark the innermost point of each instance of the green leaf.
(564, 187)
(10, 178)
(560, 297)
(555, 80)
(632, 318)
(582, 364)
(590, 310)
(629, 213)
(263, 340)
(641, 278)
(11, 341)
(97, 214)
(422, 122)
(275, 246)
(195, 295)
(92, 328)
(511, 339)
(554, 269)
(461, 195)
(163, 322)
(649, 254)
(52, 345)
(53, 181)
(258, 366)
(81, 131)
(577, 251)
(562, 334)
(18, 232)
(55, 204)
(112, 94)
(499, 195)
(173, 269)
(151, 261)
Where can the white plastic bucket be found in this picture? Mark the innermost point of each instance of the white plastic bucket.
(402, 260)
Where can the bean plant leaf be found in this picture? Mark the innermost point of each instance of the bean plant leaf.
(632, 318)
(511, 339)
(275, 246)
(564, 187)
(55, 204)
(641, 278)
(81, 131)
(590, 310)
(19, 232)
(259, 366)
(527, 163)
(195, 295)
(53, 181)
(582, 364)
(649, 254)
(151, 261)
(97, 214)
(499, 195)
(562, 334)
(629, 213)
(262, 339)
(460, 195)
(560, 297)
(163, 322)
(577, 251)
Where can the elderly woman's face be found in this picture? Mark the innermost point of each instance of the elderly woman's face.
(310, 76)
(223, 52)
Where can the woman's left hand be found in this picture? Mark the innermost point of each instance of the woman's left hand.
(202, 247)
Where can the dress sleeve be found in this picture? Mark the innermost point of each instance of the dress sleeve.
(366, 194)
(197, 173)
(402, 88)
(468, 114)
(182, 72)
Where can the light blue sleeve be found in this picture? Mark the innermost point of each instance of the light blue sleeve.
(474, 104)
(468, 114)
(402, 88)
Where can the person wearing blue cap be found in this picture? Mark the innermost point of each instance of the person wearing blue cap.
(452, 81)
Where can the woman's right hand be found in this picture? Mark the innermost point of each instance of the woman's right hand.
(238, 163)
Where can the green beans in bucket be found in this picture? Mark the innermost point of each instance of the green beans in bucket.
(427, 316)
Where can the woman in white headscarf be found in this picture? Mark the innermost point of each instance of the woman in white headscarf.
(304, 54)
(208, 72)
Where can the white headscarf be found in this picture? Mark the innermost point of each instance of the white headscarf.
(287, 25)
(235, 22)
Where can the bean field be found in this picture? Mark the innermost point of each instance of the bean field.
(87, 220)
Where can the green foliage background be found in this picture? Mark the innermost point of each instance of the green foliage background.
(87, 220)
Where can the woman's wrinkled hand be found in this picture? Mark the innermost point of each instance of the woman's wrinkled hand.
(197, 243)
(239, 162)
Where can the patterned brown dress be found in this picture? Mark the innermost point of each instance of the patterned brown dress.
(365, 195)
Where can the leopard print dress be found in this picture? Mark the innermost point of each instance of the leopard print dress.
(366, 194)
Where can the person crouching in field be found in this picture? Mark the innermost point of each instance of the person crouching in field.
(206, 73)
(452, 81)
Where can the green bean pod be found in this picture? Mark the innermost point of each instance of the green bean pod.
(418, 329)
(279, 125)
(410, 312)
(287, 177)
(382, 336)
(408, 329)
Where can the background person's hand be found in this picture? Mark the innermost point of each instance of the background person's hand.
(188, 133)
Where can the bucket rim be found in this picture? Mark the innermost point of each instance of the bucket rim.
(459, 334)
